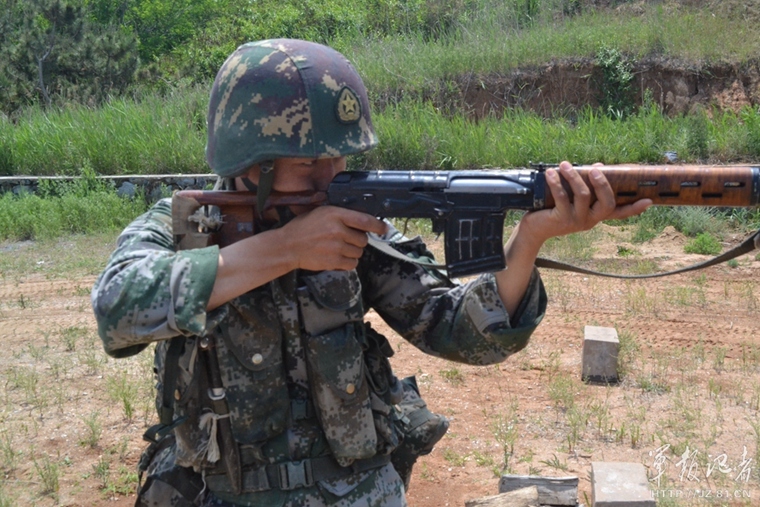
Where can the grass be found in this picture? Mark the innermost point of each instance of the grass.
(414, 134)
(492, 43)
(56, 258)
(415, 83)
(703, 244)
(505, 430)
(84, 205)
(452, 375)
(63, 379)
(157, 134)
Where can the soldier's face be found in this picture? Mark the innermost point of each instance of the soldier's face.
(302, 174)
(299, 175)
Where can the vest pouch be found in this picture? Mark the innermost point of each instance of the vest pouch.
(189, 383)
(341, 393)
(385, 390)
(249, 349)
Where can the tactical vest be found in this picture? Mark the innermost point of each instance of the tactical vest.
(295, 349)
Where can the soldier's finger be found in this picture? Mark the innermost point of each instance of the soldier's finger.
(605, 197)
(363, 222)
(349, 251)
(581, 192)
(561, 198)
(630, 210)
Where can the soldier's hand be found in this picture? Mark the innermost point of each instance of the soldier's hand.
(566, 217)
(329, 238)
(580, 214)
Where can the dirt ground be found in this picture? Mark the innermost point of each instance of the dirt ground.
(687, 408)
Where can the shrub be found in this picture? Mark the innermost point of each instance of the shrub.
(703, 244)
(617, 76)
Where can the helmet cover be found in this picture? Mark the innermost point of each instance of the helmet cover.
(285, 98)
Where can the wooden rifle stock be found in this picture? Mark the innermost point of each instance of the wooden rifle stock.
(679, 185)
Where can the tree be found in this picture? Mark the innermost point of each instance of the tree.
(52, 52)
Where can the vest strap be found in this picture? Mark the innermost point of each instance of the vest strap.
(291, 475)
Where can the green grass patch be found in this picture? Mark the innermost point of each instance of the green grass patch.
(576, 247)
(167, 135)
(704, 244)
(154, 135)
(85, 205)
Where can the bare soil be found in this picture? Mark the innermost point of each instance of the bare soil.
(690, 390)
(568, 85)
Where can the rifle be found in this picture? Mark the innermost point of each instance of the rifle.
(467, 206)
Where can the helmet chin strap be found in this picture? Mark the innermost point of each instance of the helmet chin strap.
(264, 188)
(251, 186)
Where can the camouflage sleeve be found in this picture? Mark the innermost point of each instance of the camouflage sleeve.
(460, 322)
(148, 291)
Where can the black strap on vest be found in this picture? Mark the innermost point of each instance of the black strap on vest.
(294, 474)
(166, 413)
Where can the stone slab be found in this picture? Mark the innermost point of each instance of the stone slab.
(553, 491)
(600, 354)
(619, 484)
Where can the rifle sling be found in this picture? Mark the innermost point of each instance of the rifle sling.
(748, 245)
(387, 248)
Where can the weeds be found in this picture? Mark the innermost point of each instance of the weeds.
(102, 470)
(639, 301)
(577, 420)
(86, 205)
(123, 482)
(652, 384)
(71, 335)
(121, 388)
(454, 458)
(505, 432)
(703, 244)
(719, 358)
(562, 392)
(9, 454)
(555, 463)
(483, 460)
(628, 353)
(49, 473)
(93, 430)
(617, 76)
(453, 376)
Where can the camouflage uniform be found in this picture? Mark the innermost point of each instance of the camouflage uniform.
(307, 382)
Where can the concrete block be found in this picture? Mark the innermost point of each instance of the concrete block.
(616, 484)
(600, 354)
(554, 491)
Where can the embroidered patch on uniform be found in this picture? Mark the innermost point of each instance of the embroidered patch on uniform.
(348, 108)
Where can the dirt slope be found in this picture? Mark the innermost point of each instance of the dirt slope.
(691, 355)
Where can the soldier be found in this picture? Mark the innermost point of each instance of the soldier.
(272, 390)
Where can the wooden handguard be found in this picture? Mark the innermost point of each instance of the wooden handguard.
(679, 185)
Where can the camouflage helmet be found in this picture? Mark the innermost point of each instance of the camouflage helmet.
(285, 98)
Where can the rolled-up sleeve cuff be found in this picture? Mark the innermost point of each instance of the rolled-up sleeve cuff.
(512, 333)
(198, 282)
(532, 308)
